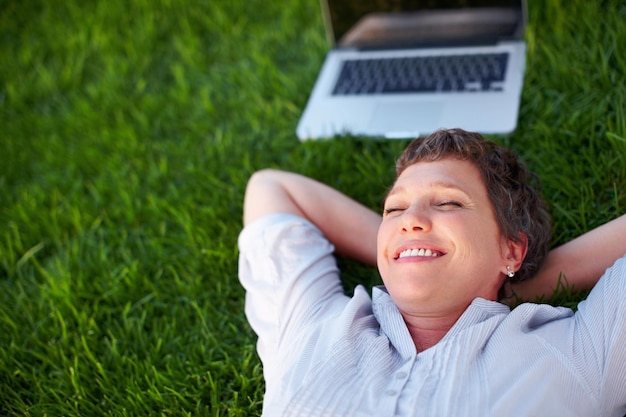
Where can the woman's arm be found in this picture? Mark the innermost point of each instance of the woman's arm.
(347, 224)
(352, 228)
(581, 261)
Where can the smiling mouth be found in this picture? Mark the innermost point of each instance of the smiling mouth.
(421, 252)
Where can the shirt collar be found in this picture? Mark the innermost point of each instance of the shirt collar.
(393, 326)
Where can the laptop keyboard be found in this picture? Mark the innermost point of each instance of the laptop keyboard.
(443, 73)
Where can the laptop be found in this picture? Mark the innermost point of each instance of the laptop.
(404, 68)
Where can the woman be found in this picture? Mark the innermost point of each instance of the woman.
(459, 224)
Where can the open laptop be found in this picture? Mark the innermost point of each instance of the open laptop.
(404, 68)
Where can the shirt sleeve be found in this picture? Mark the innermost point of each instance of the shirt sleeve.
(600, 325)
(290, 275)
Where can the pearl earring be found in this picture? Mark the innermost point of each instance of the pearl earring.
(510, 272)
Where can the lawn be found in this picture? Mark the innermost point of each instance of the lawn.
(128, 130)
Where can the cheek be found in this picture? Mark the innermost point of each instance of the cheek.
(484, 246)
(380, 248)
(382, 240)
(386, 231)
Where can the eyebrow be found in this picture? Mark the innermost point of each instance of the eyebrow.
(435, 184)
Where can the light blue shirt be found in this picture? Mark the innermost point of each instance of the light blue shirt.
(327, 354)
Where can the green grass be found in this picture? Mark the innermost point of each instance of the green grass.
(128, 130)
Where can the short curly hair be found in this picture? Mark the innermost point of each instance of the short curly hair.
(513, 190)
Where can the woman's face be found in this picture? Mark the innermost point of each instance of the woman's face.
(439, 245)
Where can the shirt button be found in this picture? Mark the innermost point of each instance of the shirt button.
(391, 392)
(401, 375)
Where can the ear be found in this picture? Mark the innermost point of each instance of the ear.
(513, 253)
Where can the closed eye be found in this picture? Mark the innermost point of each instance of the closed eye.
(450, 203)
(391, 210)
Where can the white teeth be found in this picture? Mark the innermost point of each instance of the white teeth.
(417, 252)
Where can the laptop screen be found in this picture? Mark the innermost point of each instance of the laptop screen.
(400, 23)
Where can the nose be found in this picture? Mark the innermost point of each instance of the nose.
(415, 219)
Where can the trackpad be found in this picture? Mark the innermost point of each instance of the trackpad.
(405, 119)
